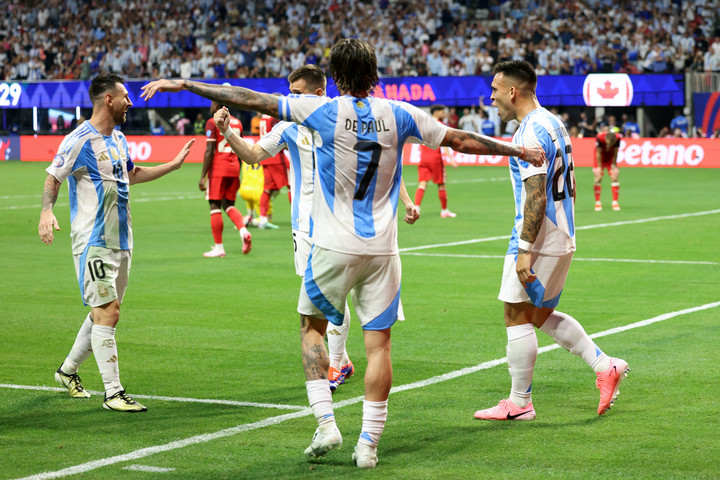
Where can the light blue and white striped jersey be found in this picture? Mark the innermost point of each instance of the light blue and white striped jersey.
(96, 167)
(557, 234)
(299, 142)
(358, 151)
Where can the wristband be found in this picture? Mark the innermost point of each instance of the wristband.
(522, 154)
(228, 133)
(524, 245)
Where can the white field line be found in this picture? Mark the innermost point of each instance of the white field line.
(575, 259)
(469, 180)
(144, 199)
(146, 452)
(168, 399)
(585, 227)
(148, 468)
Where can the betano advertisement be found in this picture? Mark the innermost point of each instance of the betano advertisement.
(640, 152)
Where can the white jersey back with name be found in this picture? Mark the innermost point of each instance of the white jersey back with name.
(299, 142)
(358, 149)
(96, 168)
(557, 234)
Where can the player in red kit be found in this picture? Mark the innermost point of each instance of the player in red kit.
(432, 167)
(220, 180)
(606, 151)
(275, 170)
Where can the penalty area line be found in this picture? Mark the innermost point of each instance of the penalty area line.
(166, 398)
(197, 439)
(575, 259)
(584, 227)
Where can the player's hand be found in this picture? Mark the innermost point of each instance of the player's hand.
(180, 157)
(48, 222)
(201, 184)
(412, 213)
(524, 272)
(222, 119)
(162, 85)
(534, 155)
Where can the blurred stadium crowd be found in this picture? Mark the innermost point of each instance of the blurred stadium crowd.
(75, 39)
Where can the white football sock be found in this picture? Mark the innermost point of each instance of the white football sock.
(337, 340)
(570, 335)
(81, 349)
(320, 399)
(105, 350)
(373, 424)
(522, 351)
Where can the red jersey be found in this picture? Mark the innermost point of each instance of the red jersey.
(430, 156)
(607, 154)
(225, 162)
(266, 124)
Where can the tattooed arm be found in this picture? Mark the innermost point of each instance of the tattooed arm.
(48, 222)
(239, 97)
(471, 142)
(533, 216)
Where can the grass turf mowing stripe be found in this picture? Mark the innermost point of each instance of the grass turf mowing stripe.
(145, 452)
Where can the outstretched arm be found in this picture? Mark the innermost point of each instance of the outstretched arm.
(248, 153)
(475, 143)
(48, 222)
(146, 174)
(533, 216)
(238, 97)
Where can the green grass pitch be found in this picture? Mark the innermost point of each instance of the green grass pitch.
(226, 330)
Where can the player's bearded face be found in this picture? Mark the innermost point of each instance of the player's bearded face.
(120, 105)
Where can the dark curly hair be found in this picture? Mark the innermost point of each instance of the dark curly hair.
(353, 66)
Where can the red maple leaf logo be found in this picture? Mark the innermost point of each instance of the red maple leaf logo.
(608, 92)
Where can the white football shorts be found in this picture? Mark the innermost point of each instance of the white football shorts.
(102, 274)
(302, 244)
(545, 291)
(372, 280)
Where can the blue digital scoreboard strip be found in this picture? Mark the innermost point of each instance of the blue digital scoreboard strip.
(553, 91)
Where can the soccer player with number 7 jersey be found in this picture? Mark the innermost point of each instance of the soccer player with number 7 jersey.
(95, 160)
(354, 223)
(541, 248)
